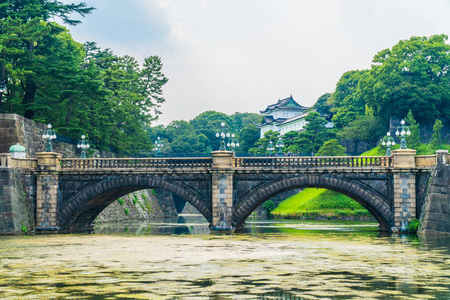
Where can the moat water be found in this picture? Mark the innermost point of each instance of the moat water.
(180, 259)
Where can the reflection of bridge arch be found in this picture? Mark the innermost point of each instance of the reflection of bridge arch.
(375, 203)
(81, 209)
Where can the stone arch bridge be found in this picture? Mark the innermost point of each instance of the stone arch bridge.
(68, 194)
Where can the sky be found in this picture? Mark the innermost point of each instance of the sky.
(242, 55)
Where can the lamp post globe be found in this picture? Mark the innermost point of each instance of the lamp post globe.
(83, 144)
(402, 132)
(49, 135)
(157, 147)
(223, 134)
(280, 146)
(270, 148)
(388, 141)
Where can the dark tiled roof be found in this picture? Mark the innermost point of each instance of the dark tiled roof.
(269, 120)
(281, 104)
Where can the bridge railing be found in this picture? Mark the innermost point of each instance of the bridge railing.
(135, 163)
(425, 160)
(5, 160)
(313, 162)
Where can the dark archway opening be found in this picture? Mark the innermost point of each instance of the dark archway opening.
(81, 209)
(370, 199)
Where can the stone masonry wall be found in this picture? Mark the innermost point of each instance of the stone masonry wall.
(17, 129)
(141, 205)
(435, 217)
(15, 209)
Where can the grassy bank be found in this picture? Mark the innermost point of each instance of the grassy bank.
(315, 203)
(424, 149)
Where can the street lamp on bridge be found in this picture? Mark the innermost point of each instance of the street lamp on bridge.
(233, 143)
(270, 148)
(49, 135)
(158, 146)
(402, 131)
(83, 145)
(280, 146)
(224, 133)
(388, 141)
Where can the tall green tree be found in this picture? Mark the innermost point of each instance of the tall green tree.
(412, 75)
(261, 145)
(364, 128)
(247, 138)
(346, 101)
(323, 104)
(20, 60)
(241, 120)
(436, 141)
(209, 123)
(315, 134)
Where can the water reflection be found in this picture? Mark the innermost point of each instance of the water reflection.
(181, 259)
(183, 224)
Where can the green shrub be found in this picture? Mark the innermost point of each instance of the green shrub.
(126, 210)
(121, 201)
(24, 228)
(148, 206)
(268, 206)
(413, 225)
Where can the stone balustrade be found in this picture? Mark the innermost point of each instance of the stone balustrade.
(313, 162)
(135, 163)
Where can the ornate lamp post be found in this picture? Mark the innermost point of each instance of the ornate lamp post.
(270, 148)
(403, 131)
(222, 134)
(388, 141)
(83, 145)
(280, 146)
(232, 143)
(49, 135)
(158, 146)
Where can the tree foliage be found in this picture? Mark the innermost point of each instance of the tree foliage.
(413, 75)
(331, 148)
(346, 101)
(436, 141)
(412, 140)
(363, 128)
(80, 89)
(198, 136)
(315, 134)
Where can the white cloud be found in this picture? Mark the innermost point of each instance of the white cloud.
(242, 55)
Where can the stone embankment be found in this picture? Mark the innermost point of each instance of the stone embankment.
(140, 205)
(15, 207)
(435, 216)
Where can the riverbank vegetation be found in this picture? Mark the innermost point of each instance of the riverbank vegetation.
(313, 203)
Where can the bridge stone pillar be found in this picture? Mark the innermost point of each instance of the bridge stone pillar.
(222, 190)
(404, 188)
(47, 191)
(442, 157)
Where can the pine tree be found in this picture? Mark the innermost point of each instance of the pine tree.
(436, 141)
(412, 140)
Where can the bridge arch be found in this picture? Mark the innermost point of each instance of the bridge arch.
(370, 199)
(81, 209)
